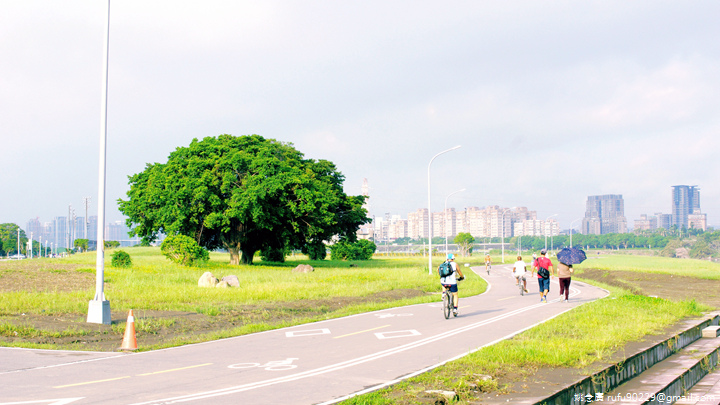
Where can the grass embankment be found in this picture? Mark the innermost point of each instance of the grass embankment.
(654, 264)
(576, 339)
(154, 283)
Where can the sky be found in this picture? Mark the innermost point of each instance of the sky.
(550, 101)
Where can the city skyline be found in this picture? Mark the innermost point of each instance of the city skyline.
(613, 204)
(550, 102)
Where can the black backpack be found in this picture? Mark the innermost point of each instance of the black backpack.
(445, 269)
(542, 271)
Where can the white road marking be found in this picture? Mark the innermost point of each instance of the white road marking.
(61, 401)
(311, 332)
(397, 334)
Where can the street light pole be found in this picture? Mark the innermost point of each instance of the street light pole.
(546, 219)
(430, 211)
(445, 218)
(502, 232)
(99, 307)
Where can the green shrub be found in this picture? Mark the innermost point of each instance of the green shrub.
(183, 250)
(121, 258)
(360, 250)
(315, 250)
(273, 254)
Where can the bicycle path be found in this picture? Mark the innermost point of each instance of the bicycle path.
(317, 363)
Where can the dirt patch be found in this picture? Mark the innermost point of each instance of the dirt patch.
(667, 286)
(153, 328)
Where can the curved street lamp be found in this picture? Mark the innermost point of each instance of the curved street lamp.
(546, 219)
(445, 213)
(502, 232)
(430, 222)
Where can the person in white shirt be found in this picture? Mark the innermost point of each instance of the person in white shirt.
(451, 281)
(519, 271)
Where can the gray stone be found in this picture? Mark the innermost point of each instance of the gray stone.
(232, 281)
(303, 268)
(207, 280)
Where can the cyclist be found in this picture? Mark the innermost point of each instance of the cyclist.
(450, 281)
(519, 270)
(488, 261)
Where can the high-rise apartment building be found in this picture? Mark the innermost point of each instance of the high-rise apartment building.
(604, 214)
(685, 201)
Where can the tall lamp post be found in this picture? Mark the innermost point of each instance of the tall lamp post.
(445, 213)
(571, 229)
(502, 232)
(430, 267)
(99, 307)
(546, 219)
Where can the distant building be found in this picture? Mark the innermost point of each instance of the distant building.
(697, 221)
(604, 214)
(685, 201)
(645, 223)
(663, 220)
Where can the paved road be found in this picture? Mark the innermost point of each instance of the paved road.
(317, 363)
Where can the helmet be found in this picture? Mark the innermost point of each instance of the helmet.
(450, 256)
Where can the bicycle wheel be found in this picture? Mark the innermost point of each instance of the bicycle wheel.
(446, 304)
(522, 289)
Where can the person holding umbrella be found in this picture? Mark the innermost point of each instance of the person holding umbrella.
(566, 258)
(564, 277)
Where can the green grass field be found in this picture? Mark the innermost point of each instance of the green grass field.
(155, 283)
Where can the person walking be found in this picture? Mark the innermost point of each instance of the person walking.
(450, 281)
(565, 272)
(544, 268)
(519, 271)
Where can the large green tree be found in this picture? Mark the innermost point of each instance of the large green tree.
(465, 242)
(243, 194)
(9, 239)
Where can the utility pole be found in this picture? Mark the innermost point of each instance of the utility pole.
(67, 229)
(86, 200)
(99, 307)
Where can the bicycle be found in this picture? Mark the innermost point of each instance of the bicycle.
(520, 283)
(488, 266)
(447, 302)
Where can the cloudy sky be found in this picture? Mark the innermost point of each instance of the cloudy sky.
(551, 101)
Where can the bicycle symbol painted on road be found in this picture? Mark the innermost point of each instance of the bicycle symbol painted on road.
(277, 365)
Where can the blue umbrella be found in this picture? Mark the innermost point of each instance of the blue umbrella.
(571, 256)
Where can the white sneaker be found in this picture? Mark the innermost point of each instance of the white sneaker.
(565, 300)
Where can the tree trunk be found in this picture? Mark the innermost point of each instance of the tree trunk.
(247, 255)
(234, 255)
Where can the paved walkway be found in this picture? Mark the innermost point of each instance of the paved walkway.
(321, 362)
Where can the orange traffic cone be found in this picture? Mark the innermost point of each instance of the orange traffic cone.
(129, 342)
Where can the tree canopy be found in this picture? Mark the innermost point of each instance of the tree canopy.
(9, 241)
(243, 194)
(465, 242)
